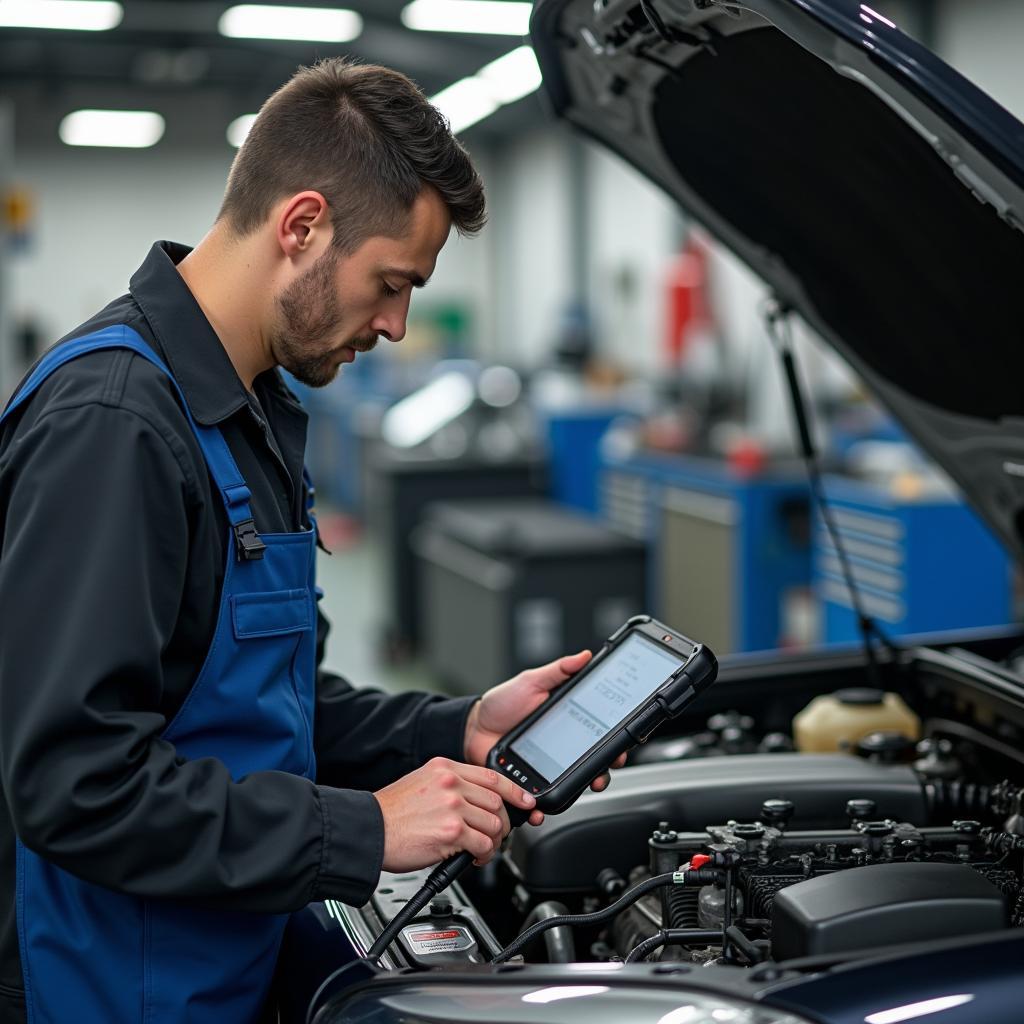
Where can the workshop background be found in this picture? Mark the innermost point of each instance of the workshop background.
(586, 419)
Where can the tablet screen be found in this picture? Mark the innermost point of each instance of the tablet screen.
(587, 712)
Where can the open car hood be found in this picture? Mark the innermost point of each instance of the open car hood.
(877, 191)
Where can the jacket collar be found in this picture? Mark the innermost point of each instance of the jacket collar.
(190, 345)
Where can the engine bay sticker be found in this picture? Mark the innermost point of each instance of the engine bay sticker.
(429, 939)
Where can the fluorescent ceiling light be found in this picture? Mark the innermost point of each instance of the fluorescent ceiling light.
(416, 417)
(504, 80)
(264, 21)
(80, 15)
(123, 129)
(486, 17)
(465, 103)
(513, 76)
(239, 129)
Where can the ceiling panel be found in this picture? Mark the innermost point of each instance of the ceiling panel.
(168, 52)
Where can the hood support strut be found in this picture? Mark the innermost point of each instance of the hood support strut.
(777, 321)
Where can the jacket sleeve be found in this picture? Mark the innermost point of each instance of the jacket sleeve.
(366, 739)
(94, 517)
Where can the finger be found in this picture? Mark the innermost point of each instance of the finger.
(536, 818)
(572, 663)
(554, 673)
(601, 782)
(488, 800)
(504, 787)
(479, 845)
(620, 761)
(475, 841)
(485, 823)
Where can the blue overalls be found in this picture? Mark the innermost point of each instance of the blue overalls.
(94, 956)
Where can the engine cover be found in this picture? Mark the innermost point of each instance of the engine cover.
(611, 829)
(881, 905)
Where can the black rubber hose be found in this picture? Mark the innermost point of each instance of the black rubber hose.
(683, 906)
(751, 953)
(700, 876)
(561, 945)
(672, 937)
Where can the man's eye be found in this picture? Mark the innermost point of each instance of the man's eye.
(387, 290)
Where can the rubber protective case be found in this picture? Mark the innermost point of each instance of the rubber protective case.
(687, 683)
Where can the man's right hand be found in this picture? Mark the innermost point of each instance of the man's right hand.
(444, 808)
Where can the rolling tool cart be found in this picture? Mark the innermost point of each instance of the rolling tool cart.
(400, 485)
(513, 584)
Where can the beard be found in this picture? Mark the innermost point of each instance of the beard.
(309, 316)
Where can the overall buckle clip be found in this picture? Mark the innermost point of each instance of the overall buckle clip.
(249, 546)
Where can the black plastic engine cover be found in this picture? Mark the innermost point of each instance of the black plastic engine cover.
(882, 905)
(611, 829)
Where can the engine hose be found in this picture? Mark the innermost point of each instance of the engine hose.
(1003, 842)
(698, 876)
(751, 952)
(683, 907)
(561, 945)
(672, 937)
(957, 799)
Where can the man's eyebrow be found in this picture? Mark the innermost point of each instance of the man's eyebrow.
(417, 280)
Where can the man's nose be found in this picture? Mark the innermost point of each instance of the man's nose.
(392, 324)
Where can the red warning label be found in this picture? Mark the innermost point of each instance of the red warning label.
(432, 936)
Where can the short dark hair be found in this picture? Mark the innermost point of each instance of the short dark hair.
(364, 136)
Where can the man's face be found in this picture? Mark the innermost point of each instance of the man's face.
(343, 304)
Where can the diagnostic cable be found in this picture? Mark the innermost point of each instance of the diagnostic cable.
(437, 881)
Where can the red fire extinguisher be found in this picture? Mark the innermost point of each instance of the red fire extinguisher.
(688, 309)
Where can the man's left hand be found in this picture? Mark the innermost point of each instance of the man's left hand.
(505, 706)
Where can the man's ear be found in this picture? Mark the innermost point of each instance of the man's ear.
(303, 224)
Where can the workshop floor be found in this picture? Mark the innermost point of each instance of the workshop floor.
(354, 603)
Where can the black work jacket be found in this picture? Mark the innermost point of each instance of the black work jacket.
(112, 552)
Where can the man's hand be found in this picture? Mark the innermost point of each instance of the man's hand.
(444, 808)
(505, 706)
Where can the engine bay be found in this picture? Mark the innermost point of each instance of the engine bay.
(732, 842)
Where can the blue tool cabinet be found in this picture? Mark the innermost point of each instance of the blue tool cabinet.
(573, 436)
(920, 564)
(730, 550)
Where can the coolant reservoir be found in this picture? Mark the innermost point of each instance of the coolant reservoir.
(836, 721)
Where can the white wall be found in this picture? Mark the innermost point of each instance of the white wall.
(984, 40)
(635, 229)
(528, 233)
(99, 211)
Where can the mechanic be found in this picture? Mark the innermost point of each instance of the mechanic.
(178, 773)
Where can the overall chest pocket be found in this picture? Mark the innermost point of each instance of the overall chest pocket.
(269, 614)
(252, 706)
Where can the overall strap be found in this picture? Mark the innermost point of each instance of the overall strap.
(310, 490)
(219, 459)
